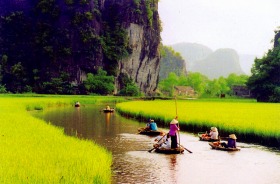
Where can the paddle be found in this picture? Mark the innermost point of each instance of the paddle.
(158, 146)
(177, 116)
(185, 148)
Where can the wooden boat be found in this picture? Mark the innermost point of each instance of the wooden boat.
(77, 104)
(108, 110)
(169, 151)
(219, 147)
(148, 132)
(205, 138)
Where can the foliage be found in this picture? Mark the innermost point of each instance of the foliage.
(201, 84)
(167, 85)
(265, 80)
(171, 61)
(128, 87)
(99, 83)
(3, 89)
(58, 85)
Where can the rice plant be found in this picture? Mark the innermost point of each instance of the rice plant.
(33, 151)
(252, 121)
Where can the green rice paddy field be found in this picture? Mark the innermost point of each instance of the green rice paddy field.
(249, 120)
(33, 151)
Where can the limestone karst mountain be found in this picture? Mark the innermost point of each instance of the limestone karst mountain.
(67, 39)
(213, 64)
(220, 63)
(192, 52)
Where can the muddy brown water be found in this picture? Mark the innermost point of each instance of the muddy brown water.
(132, 163)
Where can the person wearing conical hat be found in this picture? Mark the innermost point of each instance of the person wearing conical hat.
(214, 134)
(174, 128)
(231, 142)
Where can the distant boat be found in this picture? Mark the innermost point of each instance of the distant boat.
(77, 104)
(108, 110)
(148, 132)
(203, 137)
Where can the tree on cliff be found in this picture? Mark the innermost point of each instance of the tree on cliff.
(265, 80)
(100, 83)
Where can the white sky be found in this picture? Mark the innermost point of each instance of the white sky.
(244, 25)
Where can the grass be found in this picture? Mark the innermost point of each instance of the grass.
(249, 120)
(33, 151)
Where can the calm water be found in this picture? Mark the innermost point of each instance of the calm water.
(132, 163)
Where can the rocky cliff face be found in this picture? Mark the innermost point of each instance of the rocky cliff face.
(142, 64)
(120, 36)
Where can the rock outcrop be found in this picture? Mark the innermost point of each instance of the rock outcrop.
(120, 36)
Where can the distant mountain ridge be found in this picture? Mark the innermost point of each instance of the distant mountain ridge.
(192, 52)
(213, 64)
(222, 62)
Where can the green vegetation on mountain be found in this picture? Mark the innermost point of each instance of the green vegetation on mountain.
(52, 46)
(171, 61)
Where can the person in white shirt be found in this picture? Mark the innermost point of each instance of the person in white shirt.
(214, 134)
(161, 138)
(167, 143)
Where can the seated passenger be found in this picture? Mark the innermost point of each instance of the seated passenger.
(108, 107)
(231, 142)
(161, 138)
(214, 134)
(153, 125)
(167, 143)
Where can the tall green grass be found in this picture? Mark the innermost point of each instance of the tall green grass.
(249, 120)
(32, 151)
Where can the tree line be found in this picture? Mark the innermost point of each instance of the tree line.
(201, 84)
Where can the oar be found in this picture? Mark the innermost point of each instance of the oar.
(178, 122)
(185, 148)
(158, 142)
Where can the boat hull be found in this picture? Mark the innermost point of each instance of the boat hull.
(169, 151)
(148, 132)
(213, 146)
(208, 139)
(108, 110)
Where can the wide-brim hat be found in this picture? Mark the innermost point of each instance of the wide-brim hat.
(174, 121)
(214, 129)
(232, 136)
(152, 120)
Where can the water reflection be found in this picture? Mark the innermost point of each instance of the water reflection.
(173, 164)
(132, 163)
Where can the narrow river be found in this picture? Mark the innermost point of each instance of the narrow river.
(132, 163)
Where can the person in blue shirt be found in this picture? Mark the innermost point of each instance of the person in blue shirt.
(231, 142)
(153, 125)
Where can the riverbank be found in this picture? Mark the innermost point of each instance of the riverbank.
(252, 122)
(33, 151)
